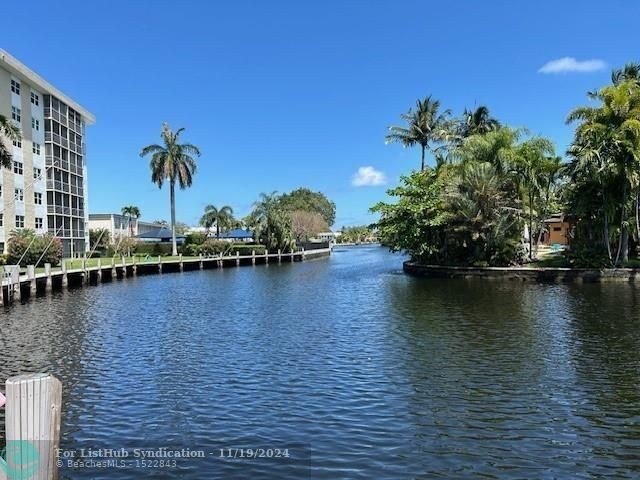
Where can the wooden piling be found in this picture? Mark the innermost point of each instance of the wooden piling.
(159, 264)
(114, 271)
(200, 262)
(33, 413)
(65, 277)
(134, 266)
(49, 282)
(31, 274)
(279, 256)
(181, 264)
(303, 254)
(237, 258)
(99, 272)
(253, 257)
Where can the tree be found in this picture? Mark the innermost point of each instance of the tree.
(306, 225)
(11, 131)
(427, 126)
(99, 238)
(221, 217)
(309, 201)
(477, 122)
(174, 162)
(131, 212)
(271, 223)
(26, 247)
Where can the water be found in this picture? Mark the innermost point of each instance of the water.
(361, 371)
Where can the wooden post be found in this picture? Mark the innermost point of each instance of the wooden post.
(200, 263)
(266, 256)
(99, 272)
(159, 263)
(253, 257)
(279, 256)
(33, 412)
(181, 264)
(114, 272)
(303, 254)
(65, 277)
(134, 268)
(31, 274)
(47, 272)
(237, 258)
(124, 267)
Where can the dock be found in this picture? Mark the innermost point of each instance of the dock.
(19, 287)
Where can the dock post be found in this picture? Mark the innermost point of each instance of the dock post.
(237, 258)
(65, 277)
(33, 413)
(279, 256)
(159, 263)
(266, 256)
(99, 272)
(31, 274)
(47, 272)
(293, 256)
(200, 263)
(303, 254)
(124, 267)
(253, 257)
(181, 264)
(114, 272)
(220, 261)
(134, 268)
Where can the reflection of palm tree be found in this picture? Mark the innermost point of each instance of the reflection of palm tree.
(12, 132)
(221, 217)
(172, 161)
(426, 126)
(131, 212)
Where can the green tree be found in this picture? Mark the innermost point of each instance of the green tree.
(131, 212)
(271, 224)
(11, 132)
(477, 122)
(26, 247)
(174, 162)
(222, 218)
(309, 201)
(99, 238)
(427, 126)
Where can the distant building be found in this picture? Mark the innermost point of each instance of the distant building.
(328, 236)
(559, 228)
(237, 235)
(159, 234)
(46, 188)
(119, 225)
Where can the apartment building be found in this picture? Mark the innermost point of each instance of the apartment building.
(46, 188)
(118, 225)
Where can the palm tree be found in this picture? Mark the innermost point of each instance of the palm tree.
(10, 130)
(426, 126)
(221, 217)
(631, 71)
(130, 212)
(477, 122)
(173, 162)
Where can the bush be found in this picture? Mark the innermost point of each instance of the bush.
(212, 247)
(195, 238)
(246, 249)
(21, 241)
(153, 249)
(587, 257)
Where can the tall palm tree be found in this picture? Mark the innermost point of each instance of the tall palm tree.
(477, 122)
(131, 212)
(174, 162)
(631, 71)
(11, 131)
(221, 217)
(426, 126)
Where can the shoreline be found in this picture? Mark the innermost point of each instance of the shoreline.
(524, 274)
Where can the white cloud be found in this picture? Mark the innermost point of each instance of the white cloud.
(368, 177)
(570, 64)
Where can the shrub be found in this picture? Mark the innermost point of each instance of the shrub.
(27, 247)
(246, 249)
(212, 247)
(195, 238)
(153, 249)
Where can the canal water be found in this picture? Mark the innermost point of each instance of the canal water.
(339, 368)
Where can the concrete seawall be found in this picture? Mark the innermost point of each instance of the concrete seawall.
(525, 274)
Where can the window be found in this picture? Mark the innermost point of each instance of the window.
(1, 219)
(35, 124)
(557, 229)
(19, 221)
(15, 87)
(35, 99)
(16, 114)
(17, 167)
(39, 222)
(37, 173)
(36, 148)
(37, 198)
(17, 143)
(19, 194)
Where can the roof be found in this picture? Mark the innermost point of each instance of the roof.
(160, 232)
(23, 72)
(237, 233)
(559, 218)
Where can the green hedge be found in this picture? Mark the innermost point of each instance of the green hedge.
(246, 249)
(155, 249)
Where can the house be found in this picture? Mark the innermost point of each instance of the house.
(119, 225)
(237, 235)
(159, 234)
(330, 237)
(559, 228)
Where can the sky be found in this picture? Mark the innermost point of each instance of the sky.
(286, 94)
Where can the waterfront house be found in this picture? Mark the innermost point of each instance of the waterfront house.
(559, 229)
(159, 234)
(119, 225)
(237, 235)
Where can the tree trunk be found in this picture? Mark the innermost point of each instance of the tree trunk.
(637, 216)
(174, 250)
(217, 229)
(422, 166)
(623, 229)
(530, 227)
(625, 245)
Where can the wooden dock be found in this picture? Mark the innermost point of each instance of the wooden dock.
(33, 283)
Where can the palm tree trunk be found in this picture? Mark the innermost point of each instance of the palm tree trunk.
(530, 226)
(217, 229)
(637, 216)
(174, 250)
(422, 166)
(623, 228)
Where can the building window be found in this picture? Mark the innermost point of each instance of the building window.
(35, 124)
(15, 87)
(19, 195)
(36, 149)
(1, 219)
(17, 167)
(16, 114)
(37, 198)
(17, 143)
(37, 173)
(19, 221)
(35, 99)
(39, 223)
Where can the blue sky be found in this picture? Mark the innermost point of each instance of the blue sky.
(283, 94)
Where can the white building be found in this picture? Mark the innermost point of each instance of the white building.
(118, 225)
